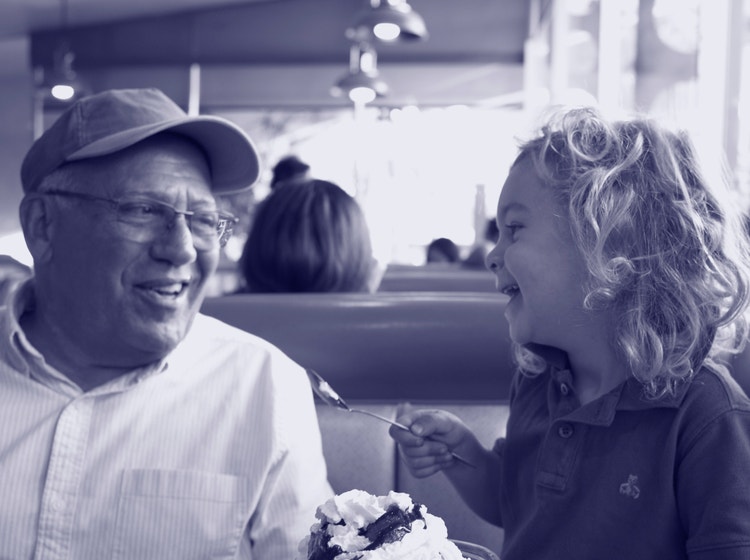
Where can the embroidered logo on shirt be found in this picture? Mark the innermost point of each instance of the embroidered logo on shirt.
(629, 488)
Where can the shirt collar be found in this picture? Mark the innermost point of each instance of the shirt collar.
(554, 357)
(630, 395)
(27, 360)
(16, 347)
(633, 396)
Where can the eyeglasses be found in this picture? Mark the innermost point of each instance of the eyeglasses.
(143, 220)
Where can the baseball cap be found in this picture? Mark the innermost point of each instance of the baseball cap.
(113, 120)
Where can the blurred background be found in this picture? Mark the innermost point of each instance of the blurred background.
(425, 139)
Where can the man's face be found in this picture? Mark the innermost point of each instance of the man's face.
(130, 302)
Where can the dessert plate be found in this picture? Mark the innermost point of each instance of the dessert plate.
(473, 551)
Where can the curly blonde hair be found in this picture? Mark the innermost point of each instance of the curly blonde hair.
(665, 250)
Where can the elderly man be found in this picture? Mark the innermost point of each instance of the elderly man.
(133, 426)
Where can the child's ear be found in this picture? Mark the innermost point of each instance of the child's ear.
(37, 222)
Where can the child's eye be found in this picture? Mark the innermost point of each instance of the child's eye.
(513, 229)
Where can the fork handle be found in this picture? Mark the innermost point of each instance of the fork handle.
(379, 417)
(456, 456)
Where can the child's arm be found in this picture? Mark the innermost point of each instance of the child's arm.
(479, 486)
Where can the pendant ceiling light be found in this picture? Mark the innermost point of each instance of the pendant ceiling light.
(362, 83)
(63, 78)
(388, 21)
(63, 82)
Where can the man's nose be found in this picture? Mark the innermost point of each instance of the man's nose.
(176, 242)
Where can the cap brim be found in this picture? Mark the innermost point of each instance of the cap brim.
(234, 161)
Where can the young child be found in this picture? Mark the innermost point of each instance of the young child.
(626, 276)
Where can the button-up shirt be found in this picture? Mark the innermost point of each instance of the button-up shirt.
(213, 453)
(624, 476)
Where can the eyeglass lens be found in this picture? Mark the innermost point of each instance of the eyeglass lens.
(145, 220)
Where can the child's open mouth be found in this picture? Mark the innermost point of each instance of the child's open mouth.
(510, 290)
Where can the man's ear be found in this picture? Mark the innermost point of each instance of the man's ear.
(37, 222)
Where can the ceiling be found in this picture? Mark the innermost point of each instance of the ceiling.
(20, 17)
(276, 53)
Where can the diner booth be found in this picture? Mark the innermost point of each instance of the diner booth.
(384, 351)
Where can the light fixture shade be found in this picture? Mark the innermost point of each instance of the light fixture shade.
(362, 83)
(398, 21)
(352, 84)
(62, 83)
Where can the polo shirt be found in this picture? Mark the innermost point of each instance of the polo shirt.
(625, 476)
(214, 452)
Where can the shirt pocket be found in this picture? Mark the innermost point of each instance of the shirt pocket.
(180, 514)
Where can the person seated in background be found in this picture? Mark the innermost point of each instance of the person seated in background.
(478, 253)
(442, 250)
(309, 236)
(627, 276)
(132, 425)
(289, 169)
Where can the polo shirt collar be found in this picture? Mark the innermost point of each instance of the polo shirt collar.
(554, 357)
(635, 398)
(627, 396)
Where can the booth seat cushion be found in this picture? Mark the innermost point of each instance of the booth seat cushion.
(446, 350)
(436, 278)
(386, 346)
(358, 450)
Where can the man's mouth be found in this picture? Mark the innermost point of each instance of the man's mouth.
(166, 289)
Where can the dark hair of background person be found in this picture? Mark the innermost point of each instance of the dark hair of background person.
(491, 231)
(442, 250)
(308, 237)
(289, 169)
(478, 254)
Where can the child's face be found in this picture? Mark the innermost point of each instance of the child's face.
(536, 263)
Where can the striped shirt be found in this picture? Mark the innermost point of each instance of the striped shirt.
(213, 453)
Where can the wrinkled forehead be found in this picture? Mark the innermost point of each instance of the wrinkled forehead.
(155, 166)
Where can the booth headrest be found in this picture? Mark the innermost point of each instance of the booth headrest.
(386, 346)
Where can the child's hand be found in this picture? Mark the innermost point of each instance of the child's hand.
(433, 434)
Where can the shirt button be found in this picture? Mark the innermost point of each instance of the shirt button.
(564, 389)
(565, 431)
(57, 504)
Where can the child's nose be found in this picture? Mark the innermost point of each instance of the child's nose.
(494, 259)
